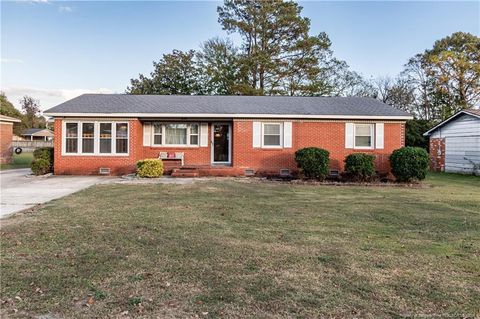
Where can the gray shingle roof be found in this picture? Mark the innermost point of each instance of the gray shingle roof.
(89, 104)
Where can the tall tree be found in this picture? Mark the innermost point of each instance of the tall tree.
(7, 108)
(397, 92)
(454, 62)
(279, 56)
(31, 109)
(219, 68)
(175, 73)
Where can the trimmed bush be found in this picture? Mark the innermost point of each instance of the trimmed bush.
(409, 164)
(42, 161)
(313, 162)
(41, 166)
(45, 153)
(360, 166)
(150, 168)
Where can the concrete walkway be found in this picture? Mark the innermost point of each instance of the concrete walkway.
(19, 192)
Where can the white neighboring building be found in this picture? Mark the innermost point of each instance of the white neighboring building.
(455, 144)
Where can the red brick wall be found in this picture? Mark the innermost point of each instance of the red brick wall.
(437, 154)
(328, 135)
(325, 134)
(6, 133)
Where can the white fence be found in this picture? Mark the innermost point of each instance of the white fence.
(30, 146)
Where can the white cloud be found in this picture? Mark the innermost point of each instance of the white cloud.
(65, 9)
(48, 97)
(7, 60)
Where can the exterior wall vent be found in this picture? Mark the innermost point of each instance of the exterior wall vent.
(104, 171)
(284, 172)
(249, 172)
(334, 173)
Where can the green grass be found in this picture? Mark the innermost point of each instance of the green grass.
(19, 161)
(242, 248)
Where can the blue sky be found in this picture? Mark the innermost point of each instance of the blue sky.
(54, 51)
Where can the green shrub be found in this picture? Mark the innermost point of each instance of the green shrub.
(409, 164)
(42, 161)
(313, 162)
(150, 168)
(45, 153)
(360, 166)
(41, 166)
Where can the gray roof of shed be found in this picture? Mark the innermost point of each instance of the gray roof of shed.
(90, 104)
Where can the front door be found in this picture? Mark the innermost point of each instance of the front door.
(221, 143)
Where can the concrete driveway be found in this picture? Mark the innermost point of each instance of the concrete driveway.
(19, 192)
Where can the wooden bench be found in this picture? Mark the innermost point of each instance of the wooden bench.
(168, 156)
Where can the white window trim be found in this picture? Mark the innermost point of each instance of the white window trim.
(96, 140)
(263, 135)
(175, 145)
(372, 135)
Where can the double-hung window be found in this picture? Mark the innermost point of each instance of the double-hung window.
(96, 138)
(272, 134)
(175, 134)
(71, 138)
(364, 136)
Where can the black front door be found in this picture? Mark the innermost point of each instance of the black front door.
(221, 143)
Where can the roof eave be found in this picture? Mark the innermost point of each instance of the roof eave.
(213, 115)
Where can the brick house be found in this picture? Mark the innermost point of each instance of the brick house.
(6, 137)
(219, 135)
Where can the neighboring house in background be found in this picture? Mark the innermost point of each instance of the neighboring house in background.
(6, 135)
(219, 135)
(455, 143)
(38, 134)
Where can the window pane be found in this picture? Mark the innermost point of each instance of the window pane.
(176, 134)
(157, 128)
(273, 129)
(72, 129)
(87, 137)
(71, 145)
(157, 139)
(194, 129)
(193, 139)
(122, 130)
(364, 141)
(87, 130)
(105, 130)
(105, 145)
(362, 130)
(272, 140)
(105, 137)
(122, 145)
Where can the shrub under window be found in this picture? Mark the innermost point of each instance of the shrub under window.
(409, 164)
(313, 162)
(360, 166)
(42, 161)
(150, 168)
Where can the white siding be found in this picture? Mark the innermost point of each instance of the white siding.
(464, 125)
(459, 151)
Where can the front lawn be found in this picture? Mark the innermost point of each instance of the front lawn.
(240, 248)
(23, 160)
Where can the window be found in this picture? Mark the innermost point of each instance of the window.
(272, 134)
(157, 133)
(105, 138)
(96, 138)
(194, 134)
(363, 135)
(122, 138)
(71, 138)
(88, 130)
(175, 134)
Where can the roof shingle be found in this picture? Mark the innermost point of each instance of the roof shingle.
(90, 104)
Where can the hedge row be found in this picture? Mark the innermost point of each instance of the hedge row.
(408, 164)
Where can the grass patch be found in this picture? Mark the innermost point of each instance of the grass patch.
(231, 248)
(23, 160)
